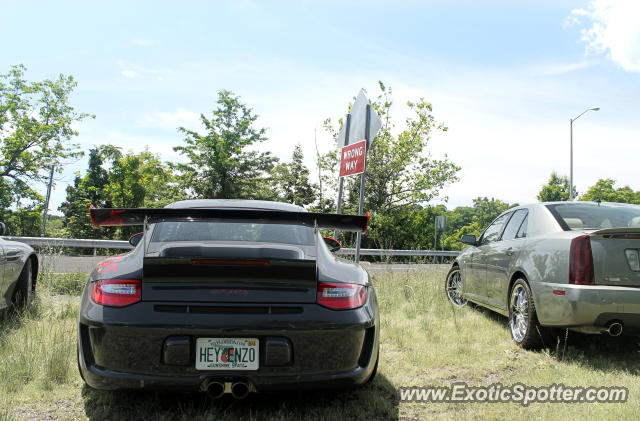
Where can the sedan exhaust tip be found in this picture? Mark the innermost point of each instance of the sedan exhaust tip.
(240, 390)
(215, 390)
(614, 329)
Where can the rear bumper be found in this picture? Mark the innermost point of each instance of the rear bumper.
(126, 349)
(111, 380)
(587, 305)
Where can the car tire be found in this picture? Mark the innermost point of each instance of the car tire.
(23, 294)
(453, 287)
(525, 329)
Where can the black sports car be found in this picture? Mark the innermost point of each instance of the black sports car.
(18, 273)
(228, 296)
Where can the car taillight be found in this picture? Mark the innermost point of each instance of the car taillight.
(341, 296)
(116, 292)
(581, 261)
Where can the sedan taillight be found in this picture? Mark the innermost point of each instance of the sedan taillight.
(581, 261)
(338, 296)
(116, 292)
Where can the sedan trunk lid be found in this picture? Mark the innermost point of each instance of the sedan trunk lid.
(616, 256)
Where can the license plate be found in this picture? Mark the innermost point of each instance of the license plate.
(227, 354)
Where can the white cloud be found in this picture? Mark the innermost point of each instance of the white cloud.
(171, 121)
(128, 73)
(614, 30)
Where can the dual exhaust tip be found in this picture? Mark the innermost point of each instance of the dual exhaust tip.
(217, 389)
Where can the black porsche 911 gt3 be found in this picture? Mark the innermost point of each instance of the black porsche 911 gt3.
(228, 296)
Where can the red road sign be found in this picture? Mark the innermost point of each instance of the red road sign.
(352, 158)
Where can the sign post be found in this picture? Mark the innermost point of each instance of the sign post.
(363, 177)
(354, 140)
(346, 142)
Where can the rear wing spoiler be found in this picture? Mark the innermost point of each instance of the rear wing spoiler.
(102, 217)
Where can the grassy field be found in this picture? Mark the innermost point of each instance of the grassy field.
(425, 342)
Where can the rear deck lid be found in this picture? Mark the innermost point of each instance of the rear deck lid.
(245, 272)
(616, 256)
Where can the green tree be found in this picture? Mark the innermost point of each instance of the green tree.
(408, 227)
(24, 220)
(132, 180)
(35, 131)
(221, 163)
(292, 180)
(605, 191)
(556, 189)
(484, 211)
(90, 189)
(138, 179)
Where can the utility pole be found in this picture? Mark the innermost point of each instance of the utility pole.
(46, 203)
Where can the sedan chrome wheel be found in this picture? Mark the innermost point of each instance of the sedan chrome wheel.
(519, 315)
(454, 288)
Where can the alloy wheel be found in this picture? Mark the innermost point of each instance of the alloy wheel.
(454, 288)
(519, 316)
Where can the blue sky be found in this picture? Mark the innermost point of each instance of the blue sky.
(504, 76)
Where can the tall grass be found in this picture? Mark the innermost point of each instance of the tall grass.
(62, 283)
(425, 341)
(37, 345)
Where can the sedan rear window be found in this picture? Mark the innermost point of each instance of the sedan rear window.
(576, 216)
(233, 231)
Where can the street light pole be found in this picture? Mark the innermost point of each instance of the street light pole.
(571, 120)
(570, 159)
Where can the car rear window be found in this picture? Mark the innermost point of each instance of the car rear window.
(576, 216)
(232, 231)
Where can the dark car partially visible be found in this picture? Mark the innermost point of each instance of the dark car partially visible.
(18, 272)
(228, 297)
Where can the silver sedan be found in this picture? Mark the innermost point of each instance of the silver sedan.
(555, 265)
(18, 273)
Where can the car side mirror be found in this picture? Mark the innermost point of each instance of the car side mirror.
(333, 244)
(135, 238)
(469, 239)
(3, 228)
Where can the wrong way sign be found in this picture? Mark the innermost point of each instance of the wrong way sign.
(352, 158)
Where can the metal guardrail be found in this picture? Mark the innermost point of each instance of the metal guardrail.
(118, 244)
(72, 242)
(389, 252)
